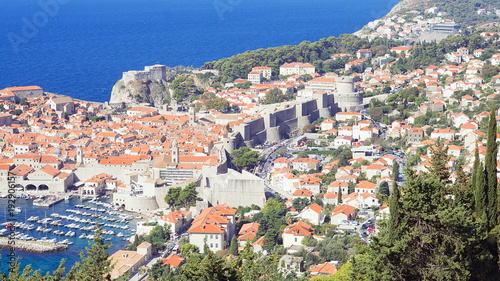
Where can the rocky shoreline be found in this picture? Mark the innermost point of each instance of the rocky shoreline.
(32, 246)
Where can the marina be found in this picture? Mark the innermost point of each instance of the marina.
(62, 230)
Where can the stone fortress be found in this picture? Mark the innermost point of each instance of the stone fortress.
(345, 95)
(153, 72)
(279, 120)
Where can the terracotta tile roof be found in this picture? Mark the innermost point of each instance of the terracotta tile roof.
(323, 269)
(173, 260)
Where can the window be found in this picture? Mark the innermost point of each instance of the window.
(295, 239)
(211, 237)
(217, 245)
(211, 245)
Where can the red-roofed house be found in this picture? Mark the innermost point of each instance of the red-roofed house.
(365, 186)
(305, 164)
(293, 234)
(176, 220)
(323, 269)
(247, 232)
(214, 226)
(313, 213)
(341, 213)
(174, 261)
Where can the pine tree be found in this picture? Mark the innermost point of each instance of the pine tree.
(395, 216)
(233, 249)
(95, 266)
(491, 171)
(481, 194)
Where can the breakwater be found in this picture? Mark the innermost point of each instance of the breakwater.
(33, 246)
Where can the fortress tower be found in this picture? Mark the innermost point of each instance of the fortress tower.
(153, 72)
(346, 97)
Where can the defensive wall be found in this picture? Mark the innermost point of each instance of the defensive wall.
(278, 120)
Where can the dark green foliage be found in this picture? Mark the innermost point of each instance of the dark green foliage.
(481, 194)
(384, 188)
(158, 236)
(475, 167)
(333, 248)
(218, 103)
(183, 86)
(491, 171)
(395, 170)
(172, 195)
(302, 154)
(315, 53)
(95, 265)
(23, 101)
(394, 208)
(159, 272)
(339, 196)
(182, 197)
(189, 249)
(244, 158)
(300, 203)
(273, 217)
(233, 249)
(275, 95)
(439, 160)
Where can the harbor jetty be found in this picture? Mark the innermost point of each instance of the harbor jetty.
(33, 246)
(47, 202)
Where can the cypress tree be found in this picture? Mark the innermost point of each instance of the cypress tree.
(491, 170)
(475, 167)
(481, 193)
(394, 211)
(233, 249)
(339, 197)
(439, 160)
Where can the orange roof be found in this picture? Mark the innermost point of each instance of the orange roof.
(315, 207)
(173, 260)
(299, 229)
(303, 192)
(366, 185)
(323, 269)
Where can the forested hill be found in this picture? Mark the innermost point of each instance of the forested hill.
(316, 53)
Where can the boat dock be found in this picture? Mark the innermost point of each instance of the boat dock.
(47, 202)
(33, 246)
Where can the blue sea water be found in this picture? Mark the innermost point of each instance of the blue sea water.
(50, 261)
(81, 47)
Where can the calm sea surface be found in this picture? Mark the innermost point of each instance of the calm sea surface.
(81, 47)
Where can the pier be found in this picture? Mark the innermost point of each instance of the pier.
(33, 246)
(47, 202)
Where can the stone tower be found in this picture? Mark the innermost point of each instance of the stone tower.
(79, 155)
(175, 152)
(192, 115)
